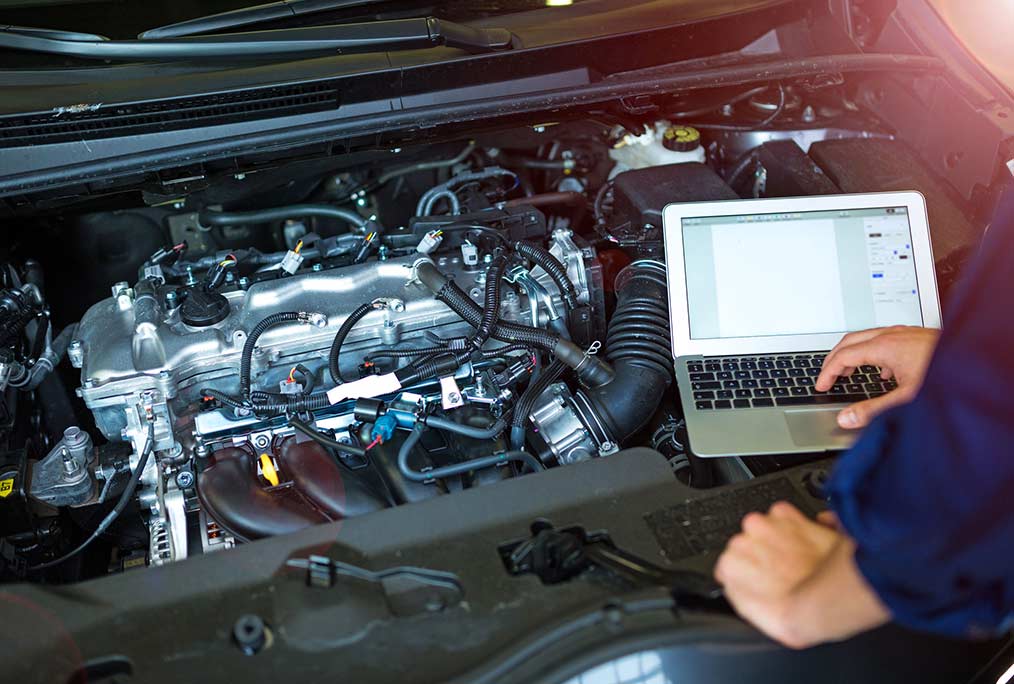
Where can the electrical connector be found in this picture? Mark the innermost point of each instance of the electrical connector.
(291, 261)
(430, 242)
(383, 428)
(469, 254)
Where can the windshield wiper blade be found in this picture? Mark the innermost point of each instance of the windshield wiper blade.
(399, 34)
(245, 16)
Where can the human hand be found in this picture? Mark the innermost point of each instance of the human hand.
(796, 580)
(902, 352)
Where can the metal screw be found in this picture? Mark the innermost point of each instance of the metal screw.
(69, 464)
(191, 280)
(260, 441)
(244, 283)
(171, 299)
(317, 268)
(201, 451)
(382, 253)
(184, 479)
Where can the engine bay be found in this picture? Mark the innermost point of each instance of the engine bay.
(253, 352)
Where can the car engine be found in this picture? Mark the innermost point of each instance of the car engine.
(312, 340)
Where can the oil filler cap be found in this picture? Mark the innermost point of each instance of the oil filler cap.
(202, 308)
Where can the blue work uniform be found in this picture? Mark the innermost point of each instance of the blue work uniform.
(928, 490)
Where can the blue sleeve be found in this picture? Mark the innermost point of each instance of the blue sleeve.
(928, 490)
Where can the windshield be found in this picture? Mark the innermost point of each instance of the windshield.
(125, 20)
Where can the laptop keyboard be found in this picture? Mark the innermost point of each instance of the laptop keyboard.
(768, 381)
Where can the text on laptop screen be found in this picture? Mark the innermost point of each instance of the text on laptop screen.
(800, 273)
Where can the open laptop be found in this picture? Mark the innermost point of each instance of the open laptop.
(761, 290)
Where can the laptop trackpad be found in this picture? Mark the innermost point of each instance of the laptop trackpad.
(818, 428)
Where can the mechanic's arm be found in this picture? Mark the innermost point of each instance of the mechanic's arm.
(923, 497)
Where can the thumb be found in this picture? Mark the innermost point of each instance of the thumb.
(829, 519)
(860, 414)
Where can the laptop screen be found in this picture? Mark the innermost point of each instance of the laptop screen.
(800, 273)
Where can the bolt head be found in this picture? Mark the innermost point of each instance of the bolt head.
(184, 479)
(316, 268)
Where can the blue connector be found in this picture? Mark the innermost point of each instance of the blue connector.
(384, 428)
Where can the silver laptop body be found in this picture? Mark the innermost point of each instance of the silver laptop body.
(761, 290)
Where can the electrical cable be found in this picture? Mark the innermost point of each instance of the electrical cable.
(208, 217)
(339, 339)
(121, 504)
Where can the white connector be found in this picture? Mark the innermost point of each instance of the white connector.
(291, 262)
(469, 254)
(430, 242)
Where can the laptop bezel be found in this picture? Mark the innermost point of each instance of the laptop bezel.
(672, 230)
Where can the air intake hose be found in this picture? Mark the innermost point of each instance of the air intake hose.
(638, 347)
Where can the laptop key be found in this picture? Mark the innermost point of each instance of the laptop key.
(762, 392)
(749, 384)
(854, 389)
(837, 389)
(778, 373)
(796, 372)
(805, 382)
(801, 363)
(730, 366)
(768, 382)
(723, 404)
(820, 399)
(813, 372)
(730, 384)
(741, 374)
(743, 394)
(873, 387)
(701, 377)
(766, 364)
(759, 374)
(870, 370)
(703, 405)
(712, 367)
(858, 379)
(706, 386)
(741, 403)
(724, 394)
(783, 363)
(695, 367)
(798, 391)
(704, 395)
(748, 365)
(724, 375)
(786, 382)
(780, 391)
(761, 403)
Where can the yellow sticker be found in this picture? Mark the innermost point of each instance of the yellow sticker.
(6, 487)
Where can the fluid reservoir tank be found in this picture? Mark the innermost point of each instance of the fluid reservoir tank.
(661, 144)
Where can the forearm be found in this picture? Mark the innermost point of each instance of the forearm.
(836, 600)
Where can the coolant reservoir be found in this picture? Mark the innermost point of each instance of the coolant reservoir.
(663, 143)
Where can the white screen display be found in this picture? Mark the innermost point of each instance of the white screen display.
(800, 273)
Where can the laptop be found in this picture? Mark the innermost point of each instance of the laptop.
(761, 290)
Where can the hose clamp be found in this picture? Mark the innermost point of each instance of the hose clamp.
(592, 350)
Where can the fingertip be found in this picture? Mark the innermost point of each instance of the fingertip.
(848, 419)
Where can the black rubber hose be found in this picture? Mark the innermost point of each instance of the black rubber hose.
(491, 308)
(526, 402)
(466, 430)
(638, 347)
(251, 342)
(324, 440)
(551, 265)
(121, 504)
(339, 340)
(591, 371)
(458, 468)
(209, 217)
(506, 349)
(455, 298)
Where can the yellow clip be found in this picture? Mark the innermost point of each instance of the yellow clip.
(268, 470)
